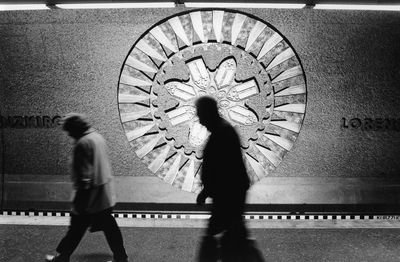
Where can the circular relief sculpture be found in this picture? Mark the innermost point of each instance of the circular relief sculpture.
(243, 62)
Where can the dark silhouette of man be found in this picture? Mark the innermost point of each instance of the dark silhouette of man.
(93, 191)
(225, 180)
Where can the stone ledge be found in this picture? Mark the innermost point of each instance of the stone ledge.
(269, 191)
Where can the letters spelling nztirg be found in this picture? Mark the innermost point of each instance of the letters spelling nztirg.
(29, 121)
(371, 124)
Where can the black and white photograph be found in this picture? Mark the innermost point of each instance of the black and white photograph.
(199, 131)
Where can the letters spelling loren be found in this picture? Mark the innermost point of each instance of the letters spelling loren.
(29, 121)
(371, 124)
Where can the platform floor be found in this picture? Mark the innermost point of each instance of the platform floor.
(155, 240)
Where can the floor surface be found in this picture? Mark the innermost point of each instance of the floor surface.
(29, 243)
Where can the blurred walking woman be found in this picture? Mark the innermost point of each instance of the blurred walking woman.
(93, 198)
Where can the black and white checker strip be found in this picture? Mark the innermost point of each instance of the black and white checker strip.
(35, 213)
(247, 216)
(311, 217)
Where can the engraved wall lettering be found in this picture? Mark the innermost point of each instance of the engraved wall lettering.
(28, 122)
(371, 124)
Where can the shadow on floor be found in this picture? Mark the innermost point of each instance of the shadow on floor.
(99, 257)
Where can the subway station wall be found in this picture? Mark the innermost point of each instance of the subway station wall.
(329, 133)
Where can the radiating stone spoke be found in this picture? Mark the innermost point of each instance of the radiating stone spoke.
(189, 178)
(292, 126)
(284, 143)
(198, 25)
(148, 147)
(149, 50)
(133, 81)
(160, 159)
(218, 17)
(237, 27)
(173, 170)
(127, 117)
(177, 26)
(257, 167)
(295, 108)
(269, 44)
(282, 57)
(292, 90)
(138, 132)
(199, 73)
(163, 39)
(226, 73)
(269, 154)
(243, 91)
(254, 34)
(181, 115)
(292, 72)
(181, 90)
(130, 99)
(139, 65)
(242, 115)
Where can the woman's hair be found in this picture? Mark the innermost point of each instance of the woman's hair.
(75, 122)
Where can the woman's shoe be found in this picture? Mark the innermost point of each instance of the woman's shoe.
(56, 258)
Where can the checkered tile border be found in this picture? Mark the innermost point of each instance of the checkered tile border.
(247, 216)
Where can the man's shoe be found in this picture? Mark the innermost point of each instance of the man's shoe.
(56, 258)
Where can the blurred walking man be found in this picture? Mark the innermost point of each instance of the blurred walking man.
(225, 180)
(93, 191)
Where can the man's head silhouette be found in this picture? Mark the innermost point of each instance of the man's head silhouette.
(207, 111)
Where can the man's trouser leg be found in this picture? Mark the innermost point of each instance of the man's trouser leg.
(209, 248)
(113, 234)
(234, 240)
(76, 230)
